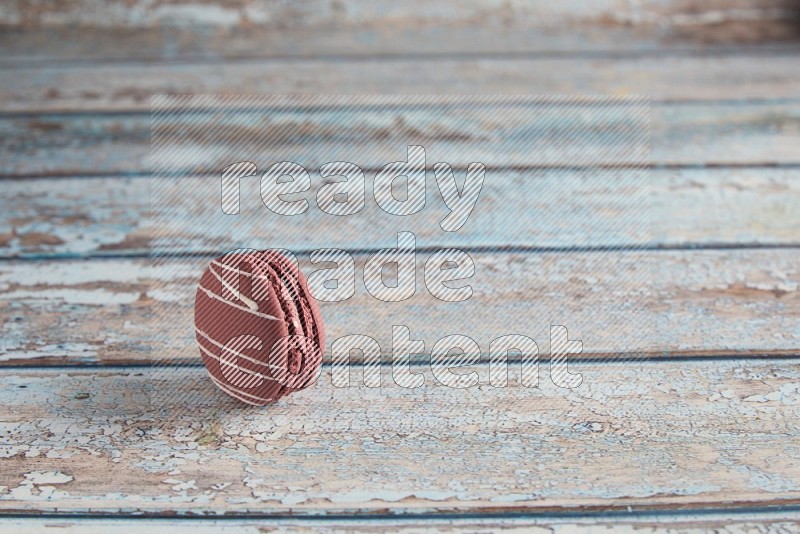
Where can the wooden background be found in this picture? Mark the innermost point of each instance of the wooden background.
(702, 435)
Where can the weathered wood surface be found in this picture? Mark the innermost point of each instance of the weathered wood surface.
(588, 523)
(84, 31)
(648, 436)
(671, 435)
(126, 86)
(689, 134)
(321, 14)
(73, 46)
(85, 216)
(620, 304)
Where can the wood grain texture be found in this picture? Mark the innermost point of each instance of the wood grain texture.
(123, 86)
(620, 304)
(83, 216)
(688, 134)
(679, 523)
(652, 436)
(321, 14)
(73, 32)
(70, 45)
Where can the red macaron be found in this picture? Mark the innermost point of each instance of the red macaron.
(259, 330)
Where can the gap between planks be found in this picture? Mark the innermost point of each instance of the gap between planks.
(198, 58)
(683, 521)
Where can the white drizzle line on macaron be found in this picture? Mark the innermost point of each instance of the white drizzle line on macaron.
(238, 394)
(233, 304)
(235, 352)
(253, 305)
(231, 364)
(238, 271)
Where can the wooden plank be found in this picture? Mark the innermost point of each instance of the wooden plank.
(653, 436)
(682, 523)
(201, 134)
(126, 86)
(688, 134)
(47, 46)
(61, 33)
(85, 216)
(620, 304)
(323, 14)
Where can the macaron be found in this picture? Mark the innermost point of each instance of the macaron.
(259, 329)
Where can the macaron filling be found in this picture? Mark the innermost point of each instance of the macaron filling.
(293, 301)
